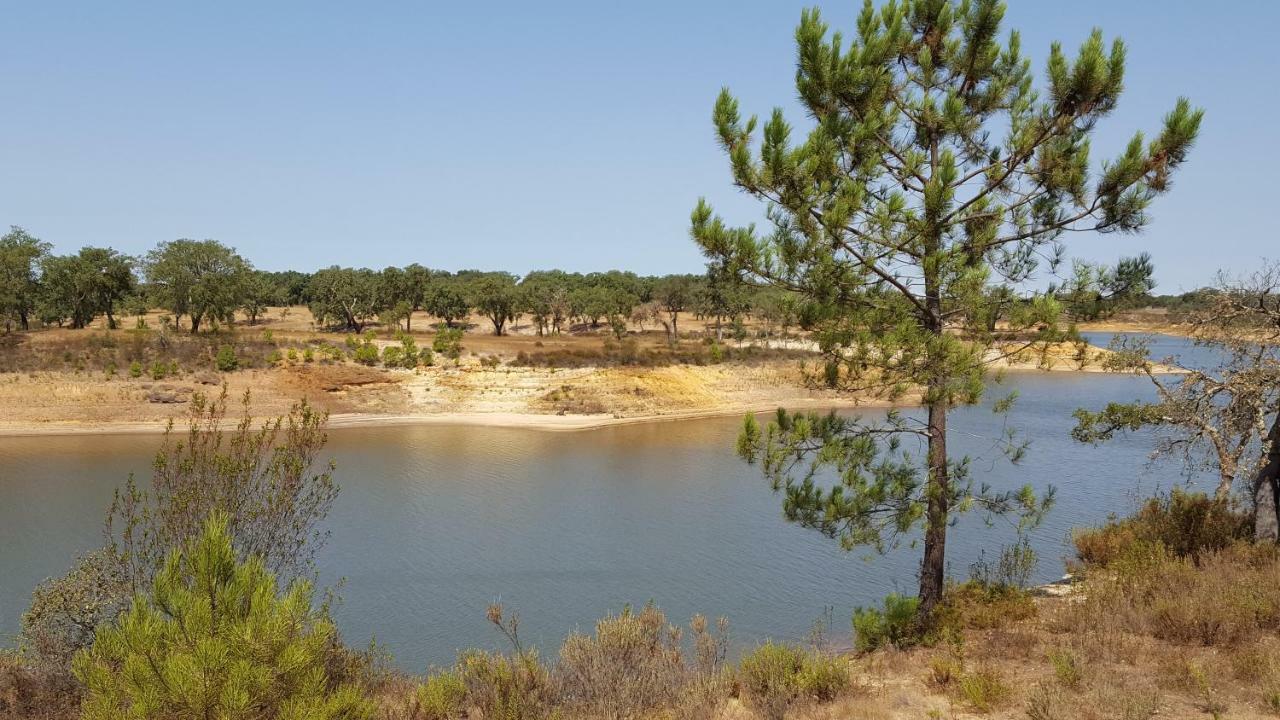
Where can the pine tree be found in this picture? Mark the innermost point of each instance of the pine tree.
(215, 638)
(934, 170)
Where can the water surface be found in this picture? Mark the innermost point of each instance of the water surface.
(435, 522)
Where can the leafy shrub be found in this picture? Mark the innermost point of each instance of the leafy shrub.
(448, 342)
(774, 676)
(226, 360)
(509, 687)
(159, 370)
(895, 625)
(1187, 524)
(366, 353)
(984, 689)
(180, 650)
(1066, 667)
(308, 355)
(442, 696)
(292, 355)
(135, 369)
(392, 356)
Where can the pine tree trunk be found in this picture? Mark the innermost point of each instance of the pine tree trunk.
(1266, 527)
(933, 565)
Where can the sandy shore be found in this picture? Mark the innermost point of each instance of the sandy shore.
(471, 394)
(541, 422)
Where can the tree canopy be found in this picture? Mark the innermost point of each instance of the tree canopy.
(933, 168)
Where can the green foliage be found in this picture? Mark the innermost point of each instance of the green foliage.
(896, 624)
(82, 286)
(159, 369)
(878, 495)
(984, 689)
(773, 676)
(226, 360)
(344, 297)
(21, 255)
(933, 171)
(366, 353)
(496, 296)
(442, 696)
(448, 342)
(135, 369)
(393, 356)
(202, 279)
(446, 301)
(215, 637)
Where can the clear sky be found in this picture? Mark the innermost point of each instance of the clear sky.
(516, 135)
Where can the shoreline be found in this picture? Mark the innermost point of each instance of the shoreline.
(509, 420)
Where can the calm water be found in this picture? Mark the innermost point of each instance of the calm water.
(434, 523)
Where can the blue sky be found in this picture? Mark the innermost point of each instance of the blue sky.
(526, 135)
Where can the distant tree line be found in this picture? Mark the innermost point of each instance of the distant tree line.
(203, 282)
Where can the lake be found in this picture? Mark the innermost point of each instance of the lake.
(435, 522)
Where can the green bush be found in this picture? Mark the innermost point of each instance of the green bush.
(392, 356)
(448, 342)
(226, 360)
(135, 369)
(159, 370)
(181, 650)
(509, 687)
(442, 697)
(895, 625)
(366, 353)
(774, 676)
(308, 355)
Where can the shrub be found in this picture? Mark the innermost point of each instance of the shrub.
(442, 696)
(1066, 668)
(392, 356)
(984, 689)
(510, 687)
(159, 370)
(1187, 524)
(226, 360)
(181, 651)
(135, 369)
(1012, 570)
(448, 342)
(895, 625)
(774, 676)
(65, 611)
(974, 605)
(308, 355)
(635, 664)
(1230, 597)
(265, 474)
(292, 355)
(366, 353)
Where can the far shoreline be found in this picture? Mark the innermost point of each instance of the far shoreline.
(525, 421)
